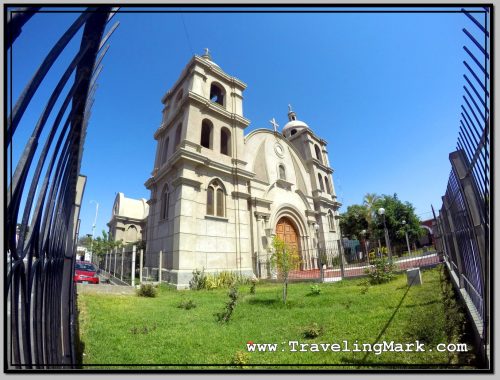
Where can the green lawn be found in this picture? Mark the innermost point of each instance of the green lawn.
(154, 331)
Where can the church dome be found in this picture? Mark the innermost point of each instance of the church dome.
(293, 126)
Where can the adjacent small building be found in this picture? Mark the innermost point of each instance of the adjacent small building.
(128, 219)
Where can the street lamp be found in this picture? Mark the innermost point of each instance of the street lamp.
(406, 234)
(381, 211)
(93, 227)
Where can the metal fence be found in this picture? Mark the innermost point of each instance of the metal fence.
(121, 266)
(44, 194)
(336, 260)
(464, 218)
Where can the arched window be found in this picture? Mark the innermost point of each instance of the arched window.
(131, 233)
(327, 185)
(165, 198)
(206, 134)
(217, 94)
(225, 141)
(164, 154)
(216, 199)
(294, 131)
(318, 153)
(178, 135)
(320, 180)
(331, 221)
(282, 173)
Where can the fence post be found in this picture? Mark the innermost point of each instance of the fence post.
(341, 253)
(473, 204)
(114, 269)
(140, 266)
(121, 271)
(320, 259)
(159, 266)
(133, 265)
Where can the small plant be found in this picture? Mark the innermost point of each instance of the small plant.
(315, 290)
(240, 358)
(143, 330)
(198, 281)
(225, 315)
(381, 272)
(254, 282)
(285, 258)
(147, 290)
(187, 305)
(312, 331)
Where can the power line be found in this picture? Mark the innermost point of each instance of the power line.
(187, 35)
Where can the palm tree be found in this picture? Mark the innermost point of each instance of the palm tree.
(369, 201)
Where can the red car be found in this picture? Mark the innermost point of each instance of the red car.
(86, 273)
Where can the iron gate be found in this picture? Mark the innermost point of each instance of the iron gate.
(43, 197)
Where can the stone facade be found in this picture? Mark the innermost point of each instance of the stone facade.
(217, 195)
(128, 219)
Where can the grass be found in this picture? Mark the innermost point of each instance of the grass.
(127, 329)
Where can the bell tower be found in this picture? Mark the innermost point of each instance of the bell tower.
(312, 148)
(199, 176)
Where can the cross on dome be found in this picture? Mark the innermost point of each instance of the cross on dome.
(274, 124)
(291, 113)
(207, 54)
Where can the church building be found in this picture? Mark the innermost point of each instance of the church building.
(218, 195)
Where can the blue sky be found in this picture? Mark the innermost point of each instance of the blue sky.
(383, 89)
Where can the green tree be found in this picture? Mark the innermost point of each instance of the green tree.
(105, 243)
(85, 241)
(353, 221)
(284, 259)
(395, 212)
(369, 201)
(365, 217)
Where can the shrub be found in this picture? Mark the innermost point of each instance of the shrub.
(312, 331)
(240, 358)
(187, 305)
(381, 272)
(147, 290)
(315, 290)
(209, 281)
(225, 315)
(198, 281)
(254, 282)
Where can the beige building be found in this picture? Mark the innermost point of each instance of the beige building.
(218, 195)
(128, 219)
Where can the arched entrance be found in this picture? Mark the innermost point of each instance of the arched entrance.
(286, 231)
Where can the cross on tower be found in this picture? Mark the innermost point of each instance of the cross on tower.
(275, 124)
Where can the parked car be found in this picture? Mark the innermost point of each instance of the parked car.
(86, 273)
